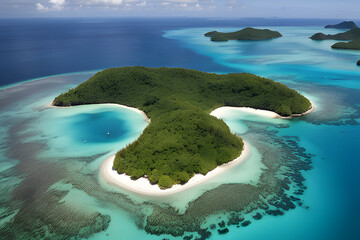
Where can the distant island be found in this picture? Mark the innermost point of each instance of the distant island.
(348, 35)
(358, 63)
(343, 25)
(352, 35)
(244, 34)
(182, 138)
(353, 45)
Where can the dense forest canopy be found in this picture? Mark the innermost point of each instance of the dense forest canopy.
(182, 138)
(244, 34)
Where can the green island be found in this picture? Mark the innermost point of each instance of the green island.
(349, 35)
(343, 25)
(182, 138)
(358, 63)
(352, 35)
(244, 34)
(353, 45)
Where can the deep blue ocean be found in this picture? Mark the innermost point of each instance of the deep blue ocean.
(50, 185)
(32, 48)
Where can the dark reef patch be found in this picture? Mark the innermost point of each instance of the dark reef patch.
(235, 218)
(257, 216)
(223, 231)
(221, 224)
(245, 223)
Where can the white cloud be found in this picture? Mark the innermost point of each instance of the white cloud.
(57, 2)
(57, 5)
(235, 4)
(41, 7)
(184, 1)
(142, 4)
(190, 4)
(106, 2)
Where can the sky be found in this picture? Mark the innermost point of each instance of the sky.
(342, 9)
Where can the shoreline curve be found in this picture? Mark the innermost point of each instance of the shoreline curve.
(144, 187)
(218, 112)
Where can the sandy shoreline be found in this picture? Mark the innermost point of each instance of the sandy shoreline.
(216, 113)
(219, 112)
(51, 105)
(142, 185)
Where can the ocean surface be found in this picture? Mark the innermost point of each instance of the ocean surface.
(301, 180)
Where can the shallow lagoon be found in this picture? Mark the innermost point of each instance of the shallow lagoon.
(42, 177)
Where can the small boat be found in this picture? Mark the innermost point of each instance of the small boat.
(108, 133)
(85, 141)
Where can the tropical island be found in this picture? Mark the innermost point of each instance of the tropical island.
(358, 63)
(353, 45)
(182, 138)
(352, 35)
(348, 35)
(244, 34)
(343, 25)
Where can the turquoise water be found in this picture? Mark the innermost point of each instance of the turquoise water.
(83, 130)
(293, 56)
(305, 168)
(332, 193)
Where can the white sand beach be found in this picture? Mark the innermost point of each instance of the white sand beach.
(142, 185)
(130, 108)
(219, 112)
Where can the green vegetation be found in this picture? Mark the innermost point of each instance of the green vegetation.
(244, 34)
(210, 34)
(165, 182)
(354, 45)
(358, 63)
(343, 25)
(352, 34)
(182, 138)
